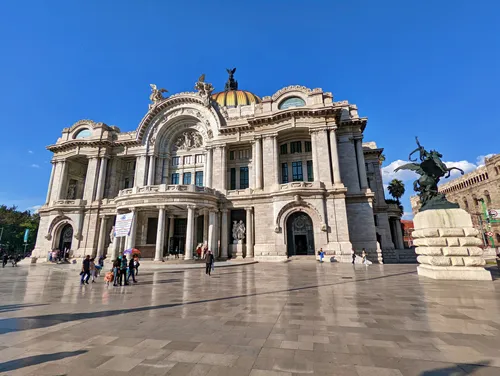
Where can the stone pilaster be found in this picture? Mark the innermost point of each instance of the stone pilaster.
(51, 182)
(315, 157)
(360, 158)
(258, 163)
(188, 252)
(249, 235)
(60, 191)
(207, 176)
(447, 246)
(102, 178)
(224, 234)
(160, 234)
(151, 170)
(335, 158)
(140, 171)
(90, 180)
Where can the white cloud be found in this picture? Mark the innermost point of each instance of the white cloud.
(34, 165)
(407, 215)
(30, 151)
(388, 172)
(480, 159)
(34, 208)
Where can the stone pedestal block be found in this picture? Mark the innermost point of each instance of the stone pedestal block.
(447, 246)
(237, 250)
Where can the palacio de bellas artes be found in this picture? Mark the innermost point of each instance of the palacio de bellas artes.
(267, 178)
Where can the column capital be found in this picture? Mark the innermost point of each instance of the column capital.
(224, 210)
(90, 157)
(192, 207)
(161, 207)
(249, 208)
(317, 130)
(257, 137)
(270, 135)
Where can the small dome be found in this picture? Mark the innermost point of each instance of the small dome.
(233, 98)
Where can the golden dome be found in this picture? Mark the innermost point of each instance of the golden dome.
(233, 98)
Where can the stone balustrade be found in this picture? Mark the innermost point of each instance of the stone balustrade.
(163, 188)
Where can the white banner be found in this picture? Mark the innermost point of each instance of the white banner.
(123, 224)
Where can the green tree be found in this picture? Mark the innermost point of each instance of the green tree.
(396, 189)
(13, 224)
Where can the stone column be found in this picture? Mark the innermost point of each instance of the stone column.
(102, 178)
(62, 180)
(363, 182)
(90, 180)
(258, 163)
(151, 170)
(208, 168)
(160, 234)
(102, 238)
(224, 239)
(51, 182)
(335, 157)
(133, 228)
(276, 160)
(205, 227)
(315, 157)
(140, 171)
(188, 251)
(399, 234)
(224, 167)
(171, 223)
(249, 234)
(116, 246)
(211, 230)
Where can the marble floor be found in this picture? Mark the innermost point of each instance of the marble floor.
(283, 319)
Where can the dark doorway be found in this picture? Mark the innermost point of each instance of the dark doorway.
(300, 235)
(66, 238)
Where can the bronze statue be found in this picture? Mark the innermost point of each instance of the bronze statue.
(431, 169)
(231, 83)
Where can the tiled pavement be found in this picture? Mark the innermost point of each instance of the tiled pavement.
(298, 318)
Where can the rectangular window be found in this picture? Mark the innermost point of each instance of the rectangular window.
(186, 178)
(175, 178)
(295, 147)
(198, 177)
(151, 232)
(232, 182)
(310, 174)
(307, 146)
(231, 155)
(243, 177)
(284, 149)
(284, 173)
(297, 171)
(188, 159)
(176, 161)
(199, 158)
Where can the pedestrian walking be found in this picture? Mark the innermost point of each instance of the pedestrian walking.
(321, 255)
(123, 271)
(5, 259)
(353, 254)
(209, 260)
(85, 273)
(136, 265)
(116, 271)
(131, 270)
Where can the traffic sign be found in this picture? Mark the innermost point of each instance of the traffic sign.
(489, 234)
(493, 213)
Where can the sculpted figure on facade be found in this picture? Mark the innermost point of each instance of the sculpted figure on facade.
(156, 94)
(112, 235)
(238, 231)
(205, 90)
(188, 140)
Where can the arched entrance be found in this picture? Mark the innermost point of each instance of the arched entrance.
(300, 235)
(66, 238)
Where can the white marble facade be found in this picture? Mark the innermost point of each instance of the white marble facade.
(292, 167)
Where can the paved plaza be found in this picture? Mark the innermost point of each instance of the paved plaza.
(296, 318)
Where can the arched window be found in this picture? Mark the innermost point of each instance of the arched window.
(291, 102)
(84, 133)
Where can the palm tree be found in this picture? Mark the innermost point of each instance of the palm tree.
(396, 189)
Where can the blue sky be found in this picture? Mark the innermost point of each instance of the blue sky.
(427, 68)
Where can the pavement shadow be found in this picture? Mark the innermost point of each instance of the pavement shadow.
(16, 324)
(12, 365)
(17, 307)
(457, 370)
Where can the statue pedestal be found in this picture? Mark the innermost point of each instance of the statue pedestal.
(447, 246)
(237, 249)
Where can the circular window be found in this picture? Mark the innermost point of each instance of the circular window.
(84, 133)
(291, 102)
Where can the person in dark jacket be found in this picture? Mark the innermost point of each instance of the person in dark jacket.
(85, 270)
(209, 260)
(116, 271)
(123, 271)
(131, 270)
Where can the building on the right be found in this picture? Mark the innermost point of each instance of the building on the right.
(470, 191)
